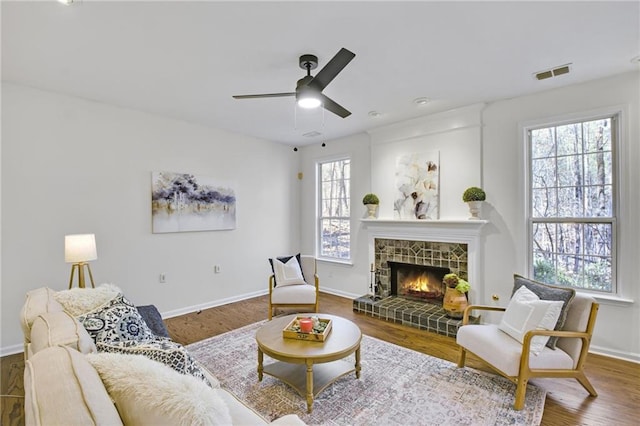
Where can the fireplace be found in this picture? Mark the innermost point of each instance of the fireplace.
(422, 282)
(453, 245)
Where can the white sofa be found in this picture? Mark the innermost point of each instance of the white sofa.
(63, 387)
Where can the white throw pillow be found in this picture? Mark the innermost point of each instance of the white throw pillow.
(147, 392)
(527, 312)
(288, 273)
(78, 301)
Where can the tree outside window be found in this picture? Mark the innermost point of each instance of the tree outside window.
(572, 204)
(334, 239)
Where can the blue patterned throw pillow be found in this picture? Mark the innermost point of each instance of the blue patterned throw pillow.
(118, 320)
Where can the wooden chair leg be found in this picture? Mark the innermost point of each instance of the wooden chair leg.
(462, 357)
(521, 391)
(270, 311)
(586, 384)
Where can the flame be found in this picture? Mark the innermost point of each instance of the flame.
(419, 284)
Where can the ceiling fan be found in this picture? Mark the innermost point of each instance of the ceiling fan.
(309, 88)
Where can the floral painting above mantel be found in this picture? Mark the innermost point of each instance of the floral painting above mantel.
(183, 202)
(417, 183)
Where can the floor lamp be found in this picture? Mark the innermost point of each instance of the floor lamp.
(79, 249)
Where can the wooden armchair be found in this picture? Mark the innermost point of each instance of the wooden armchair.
(298, 295)
(513, 360)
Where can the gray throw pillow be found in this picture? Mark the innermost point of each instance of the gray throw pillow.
(547, 292)
(153, 319)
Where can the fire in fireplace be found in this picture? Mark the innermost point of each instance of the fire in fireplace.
(422, 282)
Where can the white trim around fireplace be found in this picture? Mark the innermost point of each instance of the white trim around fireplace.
(467, 232)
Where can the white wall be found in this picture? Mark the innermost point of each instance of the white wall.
(616, 330)
(482, 145)
(343, 279)
(454, 136)
(75, 166)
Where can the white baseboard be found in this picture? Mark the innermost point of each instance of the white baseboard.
(12, 350)
(213, 304)
(340, 293)
(611, 353)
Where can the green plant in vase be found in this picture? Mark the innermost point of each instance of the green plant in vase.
(474, 197)
(371, 201)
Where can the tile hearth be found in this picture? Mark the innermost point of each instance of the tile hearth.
(418, 314)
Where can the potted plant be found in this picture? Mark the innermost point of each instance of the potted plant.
(474, 197)
(371, 201)
(455, 297)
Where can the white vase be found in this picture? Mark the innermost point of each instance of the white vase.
(474, 209)
(371, 210)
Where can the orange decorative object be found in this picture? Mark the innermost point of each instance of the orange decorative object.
(454, 303)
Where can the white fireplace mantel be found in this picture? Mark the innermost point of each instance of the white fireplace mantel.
(444, 228)
(447, 231)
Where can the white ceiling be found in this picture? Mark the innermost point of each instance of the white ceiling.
(186, 59)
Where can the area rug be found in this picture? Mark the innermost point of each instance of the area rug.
(397, 386)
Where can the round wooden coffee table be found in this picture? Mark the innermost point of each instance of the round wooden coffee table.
(308, 366)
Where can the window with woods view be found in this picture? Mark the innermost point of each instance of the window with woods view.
(572, 203)
(334, 239)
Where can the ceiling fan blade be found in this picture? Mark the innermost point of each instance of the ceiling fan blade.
(332, 69)
(265, 95)
(334, 107)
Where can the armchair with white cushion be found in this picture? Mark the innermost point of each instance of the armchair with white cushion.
(294, 283)
(520, 358)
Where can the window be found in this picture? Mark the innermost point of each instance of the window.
(572, 202)
(334, 211)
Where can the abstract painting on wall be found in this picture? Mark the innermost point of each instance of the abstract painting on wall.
(417, 183)
(182, 202)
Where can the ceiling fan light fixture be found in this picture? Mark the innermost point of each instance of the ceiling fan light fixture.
(308, 102)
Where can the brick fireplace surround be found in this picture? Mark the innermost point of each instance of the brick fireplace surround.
(445, 243)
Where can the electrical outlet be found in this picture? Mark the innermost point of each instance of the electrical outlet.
(217, 269)
(162, 278)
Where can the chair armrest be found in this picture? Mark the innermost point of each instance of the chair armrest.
(526, 343)
(468, 309)
(316, 281)
(272, 281)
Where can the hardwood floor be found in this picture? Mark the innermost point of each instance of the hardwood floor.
(567, 403)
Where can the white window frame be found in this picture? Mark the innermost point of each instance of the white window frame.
(617, 116)
(319, 216)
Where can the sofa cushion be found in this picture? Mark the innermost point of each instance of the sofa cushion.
(294, 294)
(116, 321)
(527, 312)
(548, 292)
(38, 301)
(62, 388)
(163, 350)
(147, 392)
(504, 352)
(60, 328)
(78, 301)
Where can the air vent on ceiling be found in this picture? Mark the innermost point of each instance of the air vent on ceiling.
(560, 70)
(311, 134)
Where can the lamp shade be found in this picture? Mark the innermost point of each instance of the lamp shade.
(80, 248)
